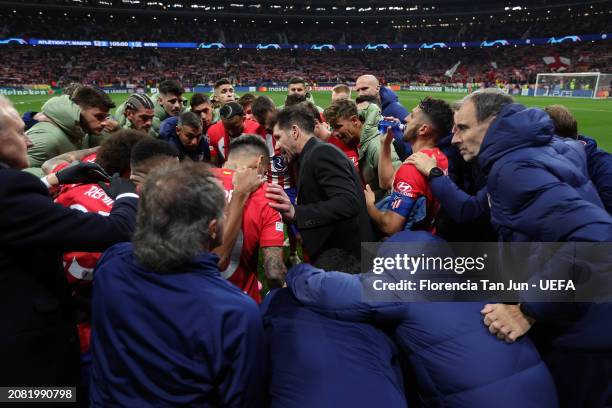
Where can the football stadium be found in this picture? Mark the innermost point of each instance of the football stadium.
(281, 203)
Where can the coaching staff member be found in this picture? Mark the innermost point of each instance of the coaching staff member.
(38, 341)
(330, 210)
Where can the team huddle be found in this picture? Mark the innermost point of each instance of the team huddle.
(211, 248)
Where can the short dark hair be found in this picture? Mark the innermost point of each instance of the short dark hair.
(295, 115)
(294, 99)
(114, 153)
(172, 87)
(190, 119)
(339, 109)
(137, 101)
(198, 99)
(340, 260)
(91, 97)
(261, 106)
(296, 80)
(149, 152)
(169, 232)
(249, 143)
(488, 102)
(222, 81)
(565, 123)
(316, 116)
(439, 113)
(246, 99)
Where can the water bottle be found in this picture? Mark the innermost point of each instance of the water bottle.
(384, 124)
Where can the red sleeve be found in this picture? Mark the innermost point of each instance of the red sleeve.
(272, 228)
(59, 167)
(409, 181)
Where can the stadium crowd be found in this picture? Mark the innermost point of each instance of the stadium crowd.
(205, 252)
(145, 67)
(460, 26)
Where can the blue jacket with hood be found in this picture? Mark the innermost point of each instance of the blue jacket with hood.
(178, 339)
(456, 361)
(539, 190)
(599, 163)
(539, 186)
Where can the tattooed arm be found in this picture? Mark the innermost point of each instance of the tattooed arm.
(274, 266)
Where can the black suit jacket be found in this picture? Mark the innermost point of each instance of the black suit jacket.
(330, 210)
(38, 342)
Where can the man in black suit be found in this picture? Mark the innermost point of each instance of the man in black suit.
(330, 210)
(38, 341)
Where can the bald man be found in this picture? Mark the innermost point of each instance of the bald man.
(389, 104)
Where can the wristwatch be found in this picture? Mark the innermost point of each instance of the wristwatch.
(435, 172)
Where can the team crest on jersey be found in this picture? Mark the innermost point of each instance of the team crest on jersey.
(278, 164)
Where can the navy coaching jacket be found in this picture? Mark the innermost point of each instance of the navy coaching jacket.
(181, 339)
(316, 361)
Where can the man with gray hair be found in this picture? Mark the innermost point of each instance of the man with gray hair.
(539, 190)
(163, 316)
(39, 344)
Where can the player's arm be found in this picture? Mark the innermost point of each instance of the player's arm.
(66, 158)
(274, 266)
(385, 164)
(388, 222)
(245, 182)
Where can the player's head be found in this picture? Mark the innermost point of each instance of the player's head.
(140, 111)
(14, 144)
(367, 85)
(430, 119)
(147, 155)
(70, 88)
(202, 106)
(344, 119)
(223, 91)
(189, 130)
(246, 101)
(170, 97)
(294, 99)
(114, 153)
(472, 120)
(249, 151)
(320, 128)
(264, 111)
(340, 91)
(171, 232)
(565, 123)
(95, 106)
(296, 85)
(232, 117)
(293, 128)
(338, 260)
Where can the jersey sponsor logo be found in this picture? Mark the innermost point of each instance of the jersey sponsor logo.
(403, 187)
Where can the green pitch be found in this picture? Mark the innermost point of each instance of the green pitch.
(594, 116)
